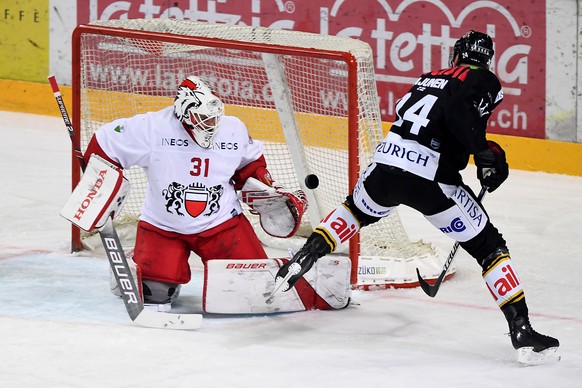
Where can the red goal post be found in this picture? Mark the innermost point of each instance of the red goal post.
(311, 99)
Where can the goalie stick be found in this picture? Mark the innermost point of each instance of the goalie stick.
(432, 290)
(116, 256)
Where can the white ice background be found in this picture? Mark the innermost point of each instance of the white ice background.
(61, 327)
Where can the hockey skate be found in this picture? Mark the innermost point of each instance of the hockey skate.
(532, 347)
(302, 261)
(294, 269)
(159, 296)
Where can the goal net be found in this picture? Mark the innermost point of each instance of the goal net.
(311, 99)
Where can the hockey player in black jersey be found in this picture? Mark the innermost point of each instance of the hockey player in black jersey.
(440, 122)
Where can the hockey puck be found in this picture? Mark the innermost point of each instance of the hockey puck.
(311, 181)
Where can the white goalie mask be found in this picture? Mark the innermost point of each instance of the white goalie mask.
(198, 109)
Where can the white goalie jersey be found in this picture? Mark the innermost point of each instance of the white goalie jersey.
(189, 187)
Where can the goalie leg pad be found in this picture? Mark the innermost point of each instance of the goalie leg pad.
(242, 286)
(330, 279)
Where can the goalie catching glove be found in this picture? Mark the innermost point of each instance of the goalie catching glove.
(492, 168)
(101, 192)
(280, 210)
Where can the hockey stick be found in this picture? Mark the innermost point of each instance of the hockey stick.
(432, 290)
(117, 259)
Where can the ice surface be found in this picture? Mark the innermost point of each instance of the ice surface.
(61, 327)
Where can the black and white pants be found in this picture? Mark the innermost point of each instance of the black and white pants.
(453, 209)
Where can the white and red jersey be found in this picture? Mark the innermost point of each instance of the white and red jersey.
(189, 187)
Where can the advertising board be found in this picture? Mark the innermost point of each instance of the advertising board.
(408, 37)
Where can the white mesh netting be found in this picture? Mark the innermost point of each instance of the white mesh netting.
(294, 92)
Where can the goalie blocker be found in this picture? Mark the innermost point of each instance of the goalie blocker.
(101, 192)
(243, 286)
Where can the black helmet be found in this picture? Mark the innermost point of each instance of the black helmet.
(474, 48)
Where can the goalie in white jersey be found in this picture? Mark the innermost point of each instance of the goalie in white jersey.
(196, 159)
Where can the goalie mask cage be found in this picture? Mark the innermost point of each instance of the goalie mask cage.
(311, 99)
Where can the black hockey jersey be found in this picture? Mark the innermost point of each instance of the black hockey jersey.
(440, 122)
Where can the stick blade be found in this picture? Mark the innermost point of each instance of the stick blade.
(427, 288)
(160, 320)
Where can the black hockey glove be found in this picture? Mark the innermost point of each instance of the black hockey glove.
(492, 168)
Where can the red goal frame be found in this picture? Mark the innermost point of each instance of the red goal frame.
(352, 96)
